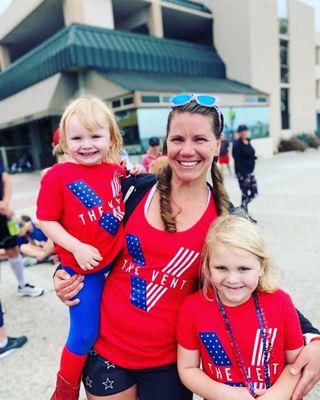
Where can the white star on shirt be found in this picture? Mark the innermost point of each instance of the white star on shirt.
(109, 364)
(88, 382)
(108, 384)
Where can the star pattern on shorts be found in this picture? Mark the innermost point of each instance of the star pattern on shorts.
(88, 382)
(92, 352)
(108, 384)
(109, 364)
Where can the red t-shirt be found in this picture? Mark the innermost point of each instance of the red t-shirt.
(201, 327)
(143, 294)
(87, 202)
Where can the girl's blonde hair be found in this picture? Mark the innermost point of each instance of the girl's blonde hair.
(93, 114)
(234, 231)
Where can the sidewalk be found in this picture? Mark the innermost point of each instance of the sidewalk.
(288, 212)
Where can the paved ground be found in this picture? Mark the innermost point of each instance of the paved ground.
(288, 214)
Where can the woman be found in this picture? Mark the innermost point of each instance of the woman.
(135, 355)
(244, 162)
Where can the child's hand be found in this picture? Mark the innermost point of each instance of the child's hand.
(137, 169)
(87, 256)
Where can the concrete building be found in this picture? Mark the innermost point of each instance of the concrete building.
(136, 54)
(271, 47)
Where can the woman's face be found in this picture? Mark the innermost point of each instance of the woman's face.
(243, 135)
(191, 146)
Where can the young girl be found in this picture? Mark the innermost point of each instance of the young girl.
(80, 208)
(242, 327)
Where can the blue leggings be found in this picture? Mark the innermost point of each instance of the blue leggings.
(85, 316)
(1, 316)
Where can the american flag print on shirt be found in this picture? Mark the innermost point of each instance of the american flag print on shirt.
(220, 358)
(86, 195)
(215, 348)
(145, 295)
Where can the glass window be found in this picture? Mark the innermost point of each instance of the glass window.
(318, 55)
(283, 15)
(283, 26)
(285, 114)
(166, 99)
(128, 100)
(116, 103)
(284, 61)
(318, 89)
(150, 99)
(255, 117)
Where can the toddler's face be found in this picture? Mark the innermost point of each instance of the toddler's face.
(85, 147)
(234, 273)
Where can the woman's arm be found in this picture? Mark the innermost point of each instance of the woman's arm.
(283, 388)
(86, 255)
(200, 383)
(307, 362)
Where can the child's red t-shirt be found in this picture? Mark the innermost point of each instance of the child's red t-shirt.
(87, 202)
(201, 327)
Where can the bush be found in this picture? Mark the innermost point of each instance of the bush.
(311, 140)
(292, 144)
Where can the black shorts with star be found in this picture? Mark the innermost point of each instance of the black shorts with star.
(101, 377)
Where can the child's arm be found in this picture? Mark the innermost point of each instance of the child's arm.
(200, 383)
(284, 386)
(86, 255)
(137, 169)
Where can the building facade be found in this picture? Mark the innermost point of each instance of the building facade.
(136, 54)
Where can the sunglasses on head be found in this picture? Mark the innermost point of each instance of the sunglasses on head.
(204, 100)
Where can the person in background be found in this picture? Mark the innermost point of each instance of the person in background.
(33, 242)
(57, 150)
(9, 242)
(8, 344)
(152, 153)
(244, 163)
(224, 157)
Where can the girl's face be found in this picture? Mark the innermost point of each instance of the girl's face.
(191, 146)
(85, 147)
(234, 273)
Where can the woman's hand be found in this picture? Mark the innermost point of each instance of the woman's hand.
(67, 287)
(308, 362)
